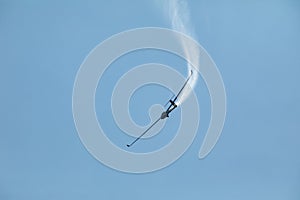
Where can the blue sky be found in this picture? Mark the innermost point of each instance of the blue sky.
(255, 45)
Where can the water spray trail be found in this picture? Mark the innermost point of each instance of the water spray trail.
(180, 18)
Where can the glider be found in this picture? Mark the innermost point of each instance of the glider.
(166, 113)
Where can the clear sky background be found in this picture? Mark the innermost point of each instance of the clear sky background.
(255, 45)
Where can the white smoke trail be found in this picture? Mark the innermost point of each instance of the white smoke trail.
(180, 19)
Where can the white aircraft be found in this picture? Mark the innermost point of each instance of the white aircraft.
(166, 113)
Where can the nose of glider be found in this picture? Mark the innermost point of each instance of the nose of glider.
(164, 115)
